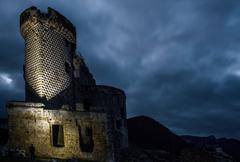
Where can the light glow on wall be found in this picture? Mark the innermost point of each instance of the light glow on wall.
(46, 55)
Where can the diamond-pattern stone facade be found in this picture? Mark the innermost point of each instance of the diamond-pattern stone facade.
(46, 56)
(49, 51)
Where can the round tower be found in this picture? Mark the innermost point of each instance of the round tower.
(50, 43)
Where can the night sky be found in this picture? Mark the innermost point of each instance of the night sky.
(177, 61)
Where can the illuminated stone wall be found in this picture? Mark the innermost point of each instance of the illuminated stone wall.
(33, 126)
(49, 50)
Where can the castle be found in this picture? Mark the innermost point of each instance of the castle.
(65, 115)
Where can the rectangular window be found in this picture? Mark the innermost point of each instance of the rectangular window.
(86, 104)
(122, 112)
(57, 136)
(66, 43)
(118, 124)
(86, 139)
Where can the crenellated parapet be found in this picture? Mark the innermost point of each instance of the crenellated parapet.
(52, 19)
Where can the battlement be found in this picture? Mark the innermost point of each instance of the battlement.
(52, 19)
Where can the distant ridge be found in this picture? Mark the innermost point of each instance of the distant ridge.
(147, 133)
(230, 146)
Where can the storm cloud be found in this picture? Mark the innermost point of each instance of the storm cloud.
(177, 61)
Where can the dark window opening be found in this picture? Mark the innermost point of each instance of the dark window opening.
(73, 47)
(88, 131)
(67, 43)
(86, 139)
(57, 136)
(86, 104)
(122, 112)
(67, 67)
(118, 124)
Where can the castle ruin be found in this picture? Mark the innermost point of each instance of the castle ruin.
(65, 115)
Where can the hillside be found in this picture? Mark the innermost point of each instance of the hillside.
(153, 142)
(150, 134)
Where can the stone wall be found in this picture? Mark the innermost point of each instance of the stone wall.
(82, 75)
(112, 101)
(30, 123)
(49, 50)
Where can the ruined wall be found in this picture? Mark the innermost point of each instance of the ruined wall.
(112, 101)
(82, 75)
(30, 123)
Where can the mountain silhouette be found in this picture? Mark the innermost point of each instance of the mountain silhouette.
(150, 134)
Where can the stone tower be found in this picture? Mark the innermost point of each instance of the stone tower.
(50, 43)
(65, 114)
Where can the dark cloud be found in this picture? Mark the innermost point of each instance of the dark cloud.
(178, 61)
